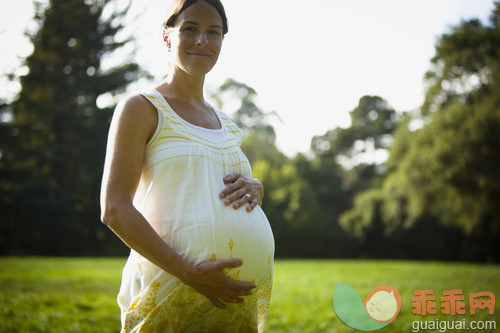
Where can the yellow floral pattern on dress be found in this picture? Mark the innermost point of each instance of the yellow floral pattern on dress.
(185, 310)
(189, 311)
(231, 245)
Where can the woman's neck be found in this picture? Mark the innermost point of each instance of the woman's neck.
(182, 85)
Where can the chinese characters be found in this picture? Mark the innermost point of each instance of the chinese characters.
(452, 302)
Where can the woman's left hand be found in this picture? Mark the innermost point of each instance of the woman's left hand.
(241, 190)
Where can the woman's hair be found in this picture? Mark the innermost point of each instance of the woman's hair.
(178, 6)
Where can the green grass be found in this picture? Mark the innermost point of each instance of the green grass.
(303, 290)
(59, 295)
(79, 294)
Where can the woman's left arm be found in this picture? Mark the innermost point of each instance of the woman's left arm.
(240, 190)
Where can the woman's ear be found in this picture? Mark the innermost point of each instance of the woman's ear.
(166, 38)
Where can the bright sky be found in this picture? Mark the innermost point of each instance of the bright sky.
(308, 60)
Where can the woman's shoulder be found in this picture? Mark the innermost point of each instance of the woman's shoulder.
(136, 111)
(136, 102)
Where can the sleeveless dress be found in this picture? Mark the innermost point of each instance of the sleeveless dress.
(178, 195)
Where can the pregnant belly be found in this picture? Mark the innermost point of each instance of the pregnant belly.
(225, 233)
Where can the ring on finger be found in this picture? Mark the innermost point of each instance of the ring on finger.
(248, 196)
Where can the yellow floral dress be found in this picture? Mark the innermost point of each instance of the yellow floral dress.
(178, 195)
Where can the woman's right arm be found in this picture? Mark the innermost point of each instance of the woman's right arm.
(133, 124)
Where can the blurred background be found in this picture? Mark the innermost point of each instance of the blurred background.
(374, 125)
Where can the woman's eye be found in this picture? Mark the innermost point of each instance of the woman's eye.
(214, 32)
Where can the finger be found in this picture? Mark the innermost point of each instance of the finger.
(231, 178)
(247, 198)
(230, 299)
(250, 198)
(241, 292)
(217, 303)
(242, 287)
(237, 195)
(230, 190)
(241, 197)
(227, 263)
(240, 203)
(252, 205)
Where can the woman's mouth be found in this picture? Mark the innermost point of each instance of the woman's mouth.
(197, 54)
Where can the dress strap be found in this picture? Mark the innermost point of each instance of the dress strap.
(157, 100)
(152, 97)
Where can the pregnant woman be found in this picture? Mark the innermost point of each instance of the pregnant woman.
(178, 191)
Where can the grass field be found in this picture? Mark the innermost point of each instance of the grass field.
(78, 294)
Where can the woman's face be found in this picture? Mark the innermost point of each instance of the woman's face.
(196, 39)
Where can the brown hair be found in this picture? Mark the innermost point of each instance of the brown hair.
(178, 6)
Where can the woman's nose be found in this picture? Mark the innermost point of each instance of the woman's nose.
(202, 38)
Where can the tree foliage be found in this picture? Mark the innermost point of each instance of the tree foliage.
(447, 170)
(260, 137)
(372, 124)
(53, 151)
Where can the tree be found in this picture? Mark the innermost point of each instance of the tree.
(313, 192)
(52, 161)
(344, 165)
(446, 171)
(372, 124)
(300, 226)
(238, 99)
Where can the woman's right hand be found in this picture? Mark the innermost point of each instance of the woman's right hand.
(208, 278)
